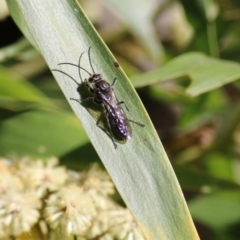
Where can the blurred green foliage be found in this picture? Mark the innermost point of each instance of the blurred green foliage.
(193, 99)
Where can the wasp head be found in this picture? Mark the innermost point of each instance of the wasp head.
(95, 78)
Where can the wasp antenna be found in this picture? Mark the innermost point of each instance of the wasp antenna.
(75, 66)
(56, 70)
(89, 51)
(79, 72)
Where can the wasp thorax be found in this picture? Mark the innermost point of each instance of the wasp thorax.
(104, 86)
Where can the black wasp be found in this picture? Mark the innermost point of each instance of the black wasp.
(103, 93)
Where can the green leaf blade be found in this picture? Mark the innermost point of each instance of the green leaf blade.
(140, 168)
(205, 73)
(17, 132)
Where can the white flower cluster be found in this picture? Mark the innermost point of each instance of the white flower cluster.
(39, 194)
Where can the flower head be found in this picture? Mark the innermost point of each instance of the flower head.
(97, 181)
(18, 212)
(42, 176)
(124, 226)
(7, 179)
(71, 209)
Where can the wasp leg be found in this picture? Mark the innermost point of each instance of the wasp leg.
(114, 82)
(77, 100)
(122, 102)
(110, 134)
(84, 100)
(110, 130)
(138, 123)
